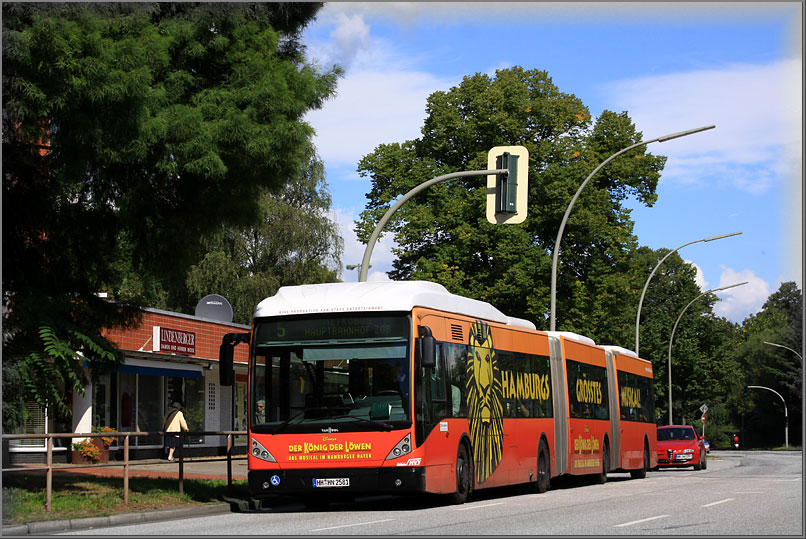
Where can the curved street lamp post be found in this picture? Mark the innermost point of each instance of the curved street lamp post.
(364, 265)
(786, 416)
(786, 347)
(662, 260)
(555, 256)
(671, 339)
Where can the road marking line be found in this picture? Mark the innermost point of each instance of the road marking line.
(717, 503)
(351, 525)
(479, 506)
(639, 521)
(785, 480)
(750, 492)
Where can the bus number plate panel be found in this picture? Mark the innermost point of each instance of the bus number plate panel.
(332, 482)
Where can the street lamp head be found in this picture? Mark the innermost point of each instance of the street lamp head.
(664, 138)
(722, 236)
(729, 286)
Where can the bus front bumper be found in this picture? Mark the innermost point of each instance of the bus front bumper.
(332, 481)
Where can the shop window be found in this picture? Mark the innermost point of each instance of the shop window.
(104, 413)
(128, 404)
(149, 408)
(191, 393)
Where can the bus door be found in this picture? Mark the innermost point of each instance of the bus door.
(559, 453)
(435, 399)
(615, 423)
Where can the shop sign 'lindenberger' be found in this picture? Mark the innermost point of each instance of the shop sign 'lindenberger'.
(174, 341)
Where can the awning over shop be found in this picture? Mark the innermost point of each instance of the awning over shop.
(159, 371)
(161, 368)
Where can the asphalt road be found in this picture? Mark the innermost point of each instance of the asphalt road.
(740, 494)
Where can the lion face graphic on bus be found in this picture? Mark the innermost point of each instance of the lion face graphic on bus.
(484, 401)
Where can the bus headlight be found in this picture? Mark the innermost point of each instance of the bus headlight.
(258, 451)
(403, 447)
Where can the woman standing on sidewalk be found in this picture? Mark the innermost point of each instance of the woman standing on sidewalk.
(172, 422)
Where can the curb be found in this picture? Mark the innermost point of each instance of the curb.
(119, 519)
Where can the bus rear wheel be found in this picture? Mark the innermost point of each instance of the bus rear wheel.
(601, 478)
(543, 476)
(463, 477)
(543, 469)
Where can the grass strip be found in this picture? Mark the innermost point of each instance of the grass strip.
(80, 496)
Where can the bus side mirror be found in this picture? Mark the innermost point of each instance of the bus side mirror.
(428, 348)
(226, 372)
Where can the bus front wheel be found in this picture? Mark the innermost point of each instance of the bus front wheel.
(463, 477)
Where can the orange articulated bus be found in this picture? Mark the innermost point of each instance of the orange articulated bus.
(403, 387)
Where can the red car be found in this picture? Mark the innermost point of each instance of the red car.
(680, 446)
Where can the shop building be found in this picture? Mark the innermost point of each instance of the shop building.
(169, 357)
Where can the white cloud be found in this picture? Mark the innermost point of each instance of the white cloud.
(756, 108)
(372, 107)
(700, 277)
(381, 98)
(740, 302)
(348, 39)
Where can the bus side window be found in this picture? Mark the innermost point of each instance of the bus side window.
(437, 377)
(456, 400)
(456, 373)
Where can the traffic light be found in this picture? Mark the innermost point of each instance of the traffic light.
(507, 192)
(506, 184)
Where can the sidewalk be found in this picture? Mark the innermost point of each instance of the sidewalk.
(194, 468)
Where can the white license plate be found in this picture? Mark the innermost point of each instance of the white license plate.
(683, 457)
(332, 482)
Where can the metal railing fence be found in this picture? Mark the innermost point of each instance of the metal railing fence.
(50, 466)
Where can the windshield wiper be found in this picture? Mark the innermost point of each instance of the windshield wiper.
(387, 426)
(285, 423)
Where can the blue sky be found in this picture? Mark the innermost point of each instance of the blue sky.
(672, 66)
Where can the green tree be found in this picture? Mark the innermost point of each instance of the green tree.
(703, 366)
(780, 321)
(130, 133)
(443, 234)
(294, 243)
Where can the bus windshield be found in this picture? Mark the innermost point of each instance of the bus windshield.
(330, 374)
